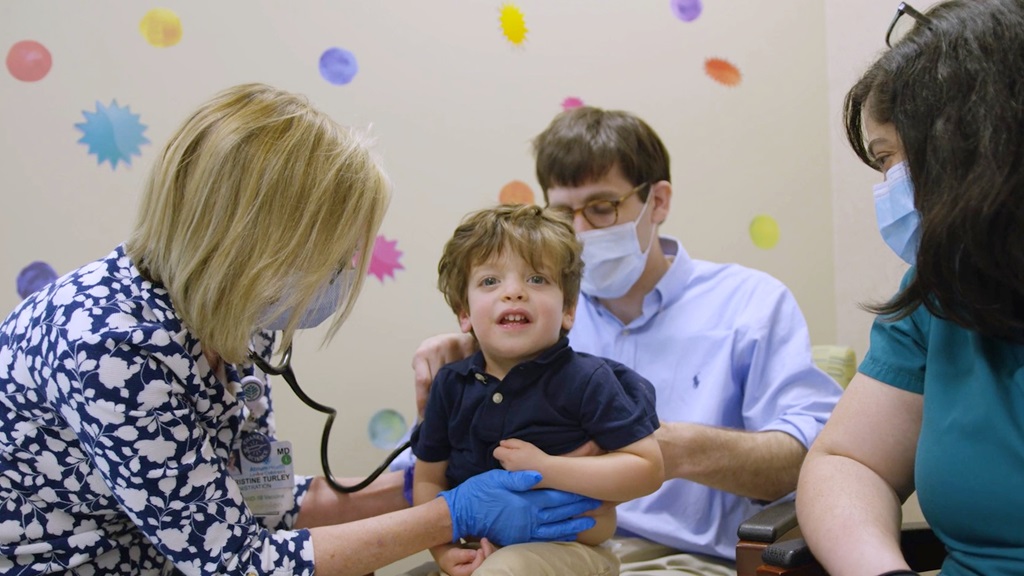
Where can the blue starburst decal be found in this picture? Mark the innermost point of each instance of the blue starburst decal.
(112, 133)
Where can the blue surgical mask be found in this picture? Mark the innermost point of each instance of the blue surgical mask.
(898, 220)
(612, 258)
(324, 304)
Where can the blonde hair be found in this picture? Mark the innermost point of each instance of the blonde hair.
(254, 204)
(543, 237)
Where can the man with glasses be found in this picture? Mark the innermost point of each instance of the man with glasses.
(726, 347)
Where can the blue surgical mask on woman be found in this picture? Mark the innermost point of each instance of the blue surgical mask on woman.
(612, 258)
(898, 220)
(324, 304)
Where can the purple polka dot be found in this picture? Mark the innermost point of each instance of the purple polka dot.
(33, 277)
(686, 10)
(338, 66)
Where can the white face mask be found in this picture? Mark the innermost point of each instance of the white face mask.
(325, 303)
(612, 258)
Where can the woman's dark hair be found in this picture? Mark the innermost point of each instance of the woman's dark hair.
(954, 90)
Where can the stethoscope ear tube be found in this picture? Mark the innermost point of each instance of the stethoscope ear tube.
(284, 369)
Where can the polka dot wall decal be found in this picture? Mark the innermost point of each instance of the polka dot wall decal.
(764, 231)
(516, 192)
(112, 133)
(338, 66)
(161, 27)
(686, 10)
(29, 61)
(34, 277)
(571, 102)
(386, 428)
(722, 71)
(513, 24)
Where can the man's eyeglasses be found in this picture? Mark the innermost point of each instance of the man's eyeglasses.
(900, 25)
(600, 213)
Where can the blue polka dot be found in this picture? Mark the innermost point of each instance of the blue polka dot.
(338, 66)
(33, 277)
(686, 10)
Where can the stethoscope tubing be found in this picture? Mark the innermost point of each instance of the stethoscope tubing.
(284, 369)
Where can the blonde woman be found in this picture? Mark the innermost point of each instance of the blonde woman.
(121, 382)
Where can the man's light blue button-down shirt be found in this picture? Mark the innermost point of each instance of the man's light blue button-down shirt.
(725, 346)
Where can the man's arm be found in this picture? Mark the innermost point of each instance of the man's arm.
(786, 402)
(757, 465)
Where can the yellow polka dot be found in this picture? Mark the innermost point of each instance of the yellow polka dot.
(764, 231)
(161, 27)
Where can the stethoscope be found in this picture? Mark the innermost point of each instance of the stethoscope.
(284, 368)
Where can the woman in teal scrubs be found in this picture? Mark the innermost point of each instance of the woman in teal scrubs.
(938, 405)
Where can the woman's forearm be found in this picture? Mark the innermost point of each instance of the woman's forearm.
(363, 546)
(849, 516)
(323, 506)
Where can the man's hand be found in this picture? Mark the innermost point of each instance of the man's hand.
(432, 354)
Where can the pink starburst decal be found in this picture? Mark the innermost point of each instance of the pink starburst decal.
(385, 259)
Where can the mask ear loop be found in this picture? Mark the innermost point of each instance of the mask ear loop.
(284, 369)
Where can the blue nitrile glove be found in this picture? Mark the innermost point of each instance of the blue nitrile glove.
(499, 505)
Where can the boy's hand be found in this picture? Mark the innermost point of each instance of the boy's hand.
(515, 454)
(458, 561)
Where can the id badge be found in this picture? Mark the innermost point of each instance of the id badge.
(265, 475)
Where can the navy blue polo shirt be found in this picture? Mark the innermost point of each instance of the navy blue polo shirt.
(557, 401)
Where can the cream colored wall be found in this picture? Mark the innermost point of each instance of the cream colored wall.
(867, 269)
(453, 106)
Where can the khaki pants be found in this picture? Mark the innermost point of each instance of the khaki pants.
(638, 557)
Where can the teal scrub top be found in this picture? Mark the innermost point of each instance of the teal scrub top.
(969, 469)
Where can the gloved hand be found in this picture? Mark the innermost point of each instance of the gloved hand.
(499, 505)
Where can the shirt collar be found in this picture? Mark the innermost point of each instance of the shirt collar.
(669, 289)
(475, 363)
(673, 284)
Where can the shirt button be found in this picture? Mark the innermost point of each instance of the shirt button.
(625, 331)
(497, 397)
(481, 377)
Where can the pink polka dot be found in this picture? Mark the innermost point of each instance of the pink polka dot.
(29, 61)
(571, 102)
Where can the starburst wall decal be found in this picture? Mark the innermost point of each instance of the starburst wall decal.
(384, 260)
(513, 24)
(112, 133)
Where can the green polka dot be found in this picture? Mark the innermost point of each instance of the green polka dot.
(764, 231)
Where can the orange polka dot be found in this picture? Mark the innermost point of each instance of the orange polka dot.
(516, 192)
(722, 71)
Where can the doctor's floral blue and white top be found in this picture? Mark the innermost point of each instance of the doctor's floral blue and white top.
(115, 439)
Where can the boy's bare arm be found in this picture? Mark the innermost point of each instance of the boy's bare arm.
(630, 472)
(428, 481)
